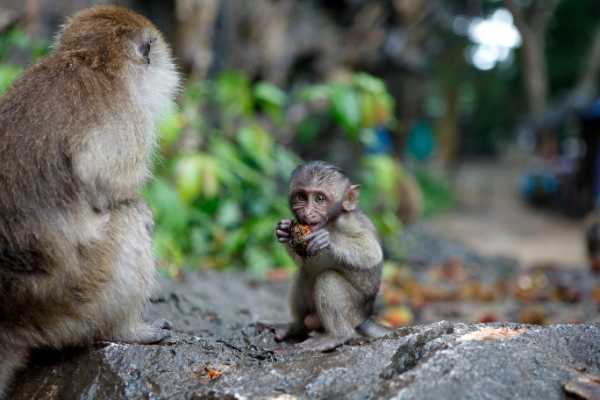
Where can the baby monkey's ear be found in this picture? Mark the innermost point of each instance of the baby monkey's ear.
(351, 198)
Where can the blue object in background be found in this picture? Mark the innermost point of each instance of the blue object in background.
(421, 141)
(539, 186)
(590, 117)
(592, 112)
(382, 143)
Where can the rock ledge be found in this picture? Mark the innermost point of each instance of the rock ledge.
(217, 352)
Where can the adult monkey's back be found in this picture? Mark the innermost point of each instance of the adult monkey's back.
(76, 138)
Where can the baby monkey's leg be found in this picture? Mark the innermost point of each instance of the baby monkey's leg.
(300, 306)
(339, 309)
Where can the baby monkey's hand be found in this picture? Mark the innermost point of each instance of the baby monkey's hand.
(318, 240)
(283, 230)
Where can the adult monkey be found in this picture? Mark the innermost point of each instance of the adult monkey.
(340, 262)
(76, 138)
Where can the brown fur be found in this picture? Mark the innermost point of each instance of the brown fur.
(76, 137)
(335, 288)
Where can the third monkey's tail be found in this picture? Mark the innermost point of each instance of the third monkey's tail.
(372, 329)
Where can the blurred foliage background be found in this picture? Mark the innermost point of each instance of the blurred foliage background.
(221, 169)
(221, 176)
(398, 93)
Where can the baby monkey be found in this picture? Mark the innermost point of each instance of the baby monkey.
(340, 264)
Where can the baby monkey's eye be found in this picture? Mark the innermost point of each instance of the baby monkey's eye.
(301, 196)
(320, 198)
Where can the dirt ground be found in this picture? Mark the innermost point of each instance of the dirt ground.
(492, 219)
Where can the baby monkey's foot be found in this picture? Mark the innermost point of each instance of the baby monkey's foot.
(269, 326)
(282, 331)
(325, 343)
(291, 332)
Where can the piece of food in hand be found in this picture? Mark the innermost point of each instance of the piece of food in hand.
(298, 240)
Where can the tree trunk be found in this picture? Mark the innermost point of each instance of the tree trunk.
(535, 72)
(532, 22)
(195, 32)
(447, 127)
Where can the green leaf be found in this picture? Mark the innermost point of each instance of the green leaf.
(199, 242)
(230, 164)
(167, 248)
(196, 175)
(346, 109)
(272, 100)
(8, 74)
(196, 92)
(188, 177)
(270, 94)
(437, 194)
(20, 39)
(281, 256)
(170, 127)
(382, 171)
(229, 214)
(309, 129)
(286, 161)
(169, 211)
(257, 144)
(369, 83)
(315, 93)
(234, 94)
(235, 241)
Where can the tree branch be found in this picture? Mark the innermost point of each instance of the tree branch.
(517, 13)
(543, 12)
(538, 16)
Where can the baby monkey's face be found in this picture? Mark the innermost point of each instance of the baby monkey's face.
(320, 193)
(311, 206)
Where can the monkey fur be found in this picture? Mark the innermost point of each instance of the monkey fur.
(339, 278)
(76, 138)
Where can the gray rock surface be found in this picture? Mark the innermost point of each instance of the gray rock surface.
(218, 352)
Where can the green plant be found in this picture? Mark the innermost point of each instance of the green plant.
(357, 106)
(221, 178)
(8, 73)
(216, 201)
(16, 39)
(437, 194)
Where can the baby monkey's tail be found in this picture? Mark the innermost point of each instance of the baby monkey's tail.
(372, 329)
